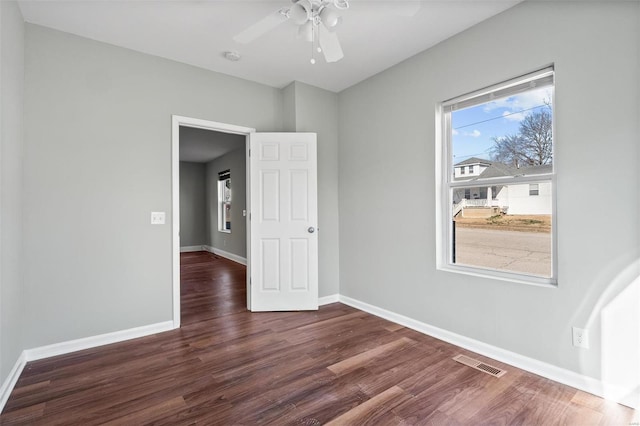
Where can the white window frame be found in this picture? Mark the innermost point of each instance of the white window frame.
(445, 183)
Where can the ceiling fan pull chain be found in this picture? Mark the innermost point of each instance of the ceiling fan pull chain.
(316, 25)
(313, 39)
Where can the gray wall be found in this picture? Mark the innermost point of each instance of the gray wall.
(193, 221)
(388, 123)
(11, 195)
(289, 107)
(97, 150)
(316, 110)
(236, 241)
(98, 161)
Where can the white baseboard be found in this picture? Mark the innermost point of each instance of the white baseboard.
(72, 346)
(11, 380)
(325, 300)
(95, 341)
(552, 372)
(238, 259)
(187, 249)
(561, 375)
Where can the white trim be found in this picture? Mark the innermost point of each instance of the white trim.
(561, 375)
(63, 348)
(506, 88)
(176, 122)
(552, 372)
(495, 274)
(234, 257)
(175, 216)
(95, 341)
(326, 300)
(187, 249)
(445, 184)
(11, 380)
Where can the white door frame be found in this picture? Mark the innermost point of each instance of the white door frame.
(176, 122)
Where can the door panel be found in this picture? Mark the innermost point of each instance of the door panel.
(284, 241)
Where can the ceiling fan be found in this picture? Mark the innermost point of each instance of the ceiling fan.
(316, 20)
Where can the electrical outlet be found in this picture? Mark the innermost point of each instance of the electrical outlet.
(157, 218)
(580, 337)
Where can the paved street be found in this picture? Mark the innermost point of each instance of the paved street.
(515, 251)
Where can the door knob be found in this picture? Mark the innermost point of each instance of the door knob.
(311, 230)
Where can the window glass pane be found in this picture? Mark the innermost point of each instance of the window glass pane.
(226, 214)
(515, 132)
(499, 219)
(224, 204)
(503, 228)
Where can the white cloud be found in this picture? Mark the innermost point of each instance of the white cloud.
(517, 116)
(521, 102)
(476, 133)
(454, 132)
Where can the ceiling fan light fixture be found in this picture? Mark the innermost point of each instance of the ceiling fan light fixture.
(341, 4)
(301, 12)
(329, 17)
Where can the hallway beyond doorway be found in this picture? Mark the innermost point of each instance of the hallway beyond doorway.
(210, 286)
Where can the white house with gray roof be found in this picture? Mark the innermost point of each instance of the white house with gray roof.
(516, 199)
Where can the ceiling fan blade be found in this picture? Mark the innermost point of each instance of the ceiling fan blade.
(261, 27)
(330, 45)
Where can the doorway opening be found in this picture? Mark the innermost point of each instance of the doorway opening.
(205, 219)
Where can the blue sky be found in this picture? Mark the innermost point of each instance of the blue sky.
(472, 133)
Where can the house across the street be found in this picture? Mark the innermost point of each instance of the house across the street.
(483, 197)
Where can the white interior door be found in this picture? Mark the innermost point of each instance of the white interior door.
(284, 220)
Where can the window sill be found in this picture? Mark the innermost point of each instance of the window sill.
(224, 231)
(500, 275)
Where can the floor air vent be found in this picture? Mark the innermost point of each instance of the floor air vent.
(474, 363)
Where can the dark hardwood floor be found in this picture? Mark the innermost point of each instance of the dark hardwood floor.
(340, 366)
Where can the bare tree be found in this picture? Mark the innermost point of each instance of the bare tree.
(533, 144)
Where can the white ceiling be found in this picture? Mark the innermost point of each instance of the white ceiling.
(374, 33)
(202, 146)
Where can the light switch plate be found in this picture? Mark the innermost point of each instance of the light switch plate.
(157, 218)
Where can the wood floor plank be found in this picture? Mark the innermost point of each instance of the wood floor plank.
(26, 415)
(505, 407)
(369, 356)
(369, 412)
(151, 413)
(338, 365)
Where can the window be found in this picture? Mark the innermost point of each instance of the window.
(224, 201)
(490, 223)
(533, 189)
